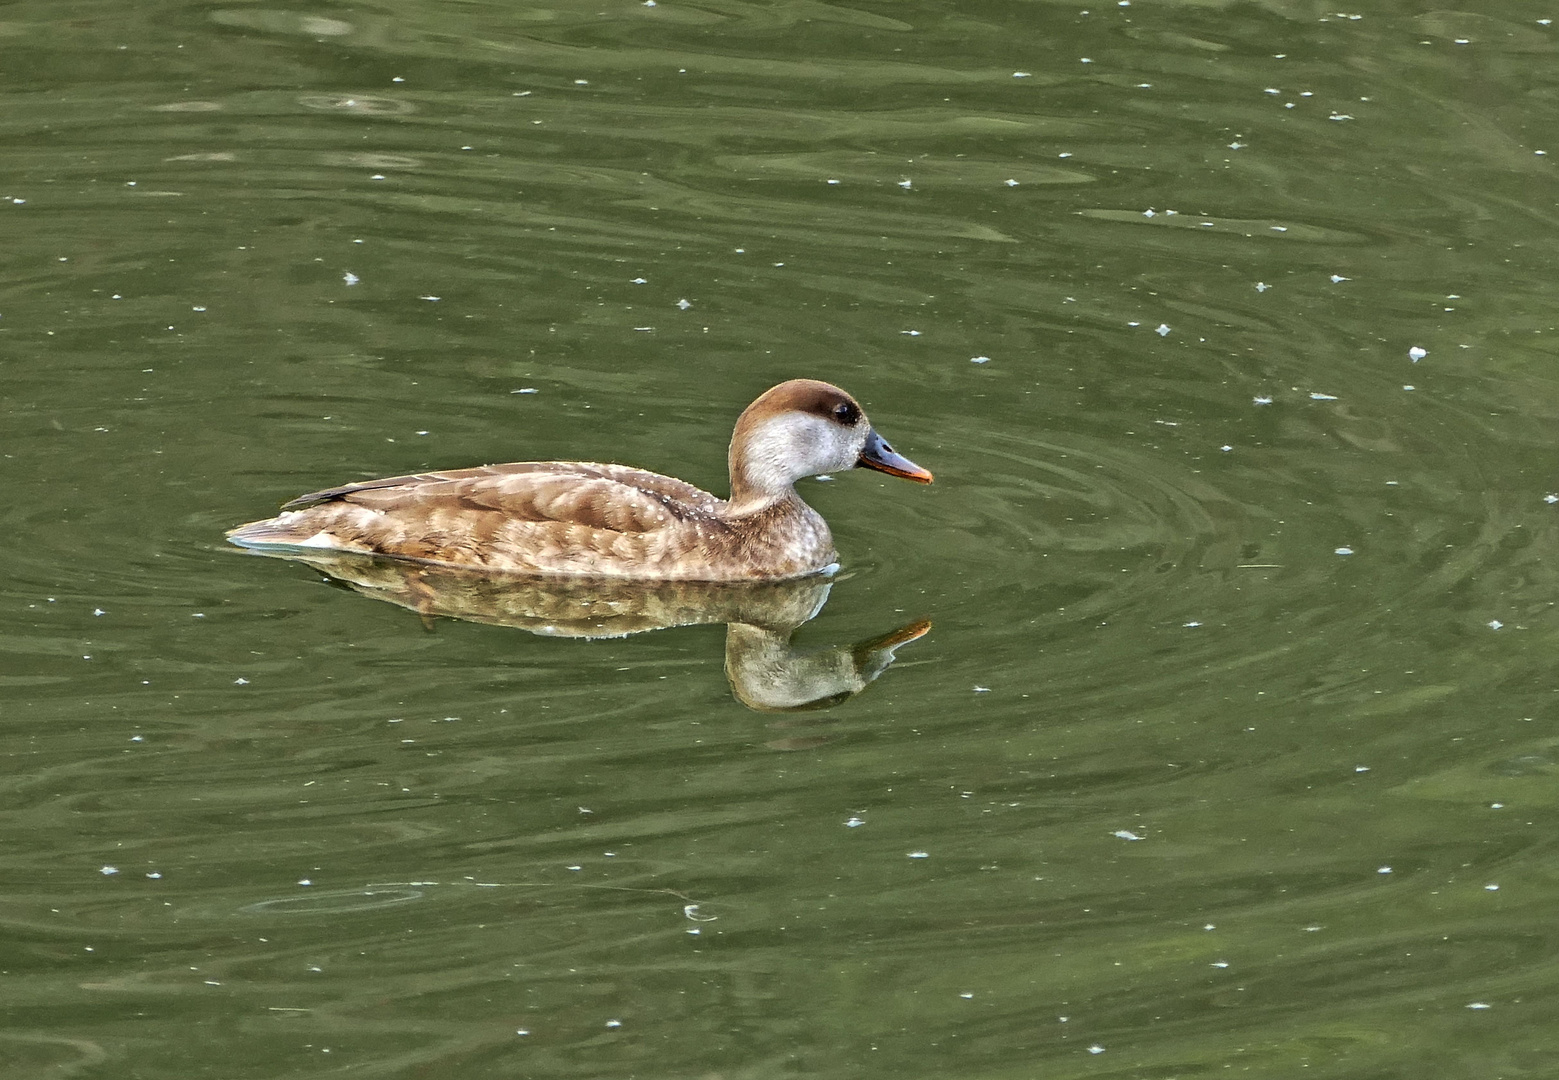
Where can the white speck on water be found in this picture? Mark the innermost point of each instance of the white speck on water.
(1280, 228)
(154, 875)
(574, 868)
(644, 329)
(854, 823)
(920, 855)
(1209, 926)
(684, 304)
(1462, 41)
(1336, 278)
(99, 611)
(1236, 146)
(1343, 551)
(982, 689)
(823, 478)
(910, 333)
(1190, 625)
(1551, 498)
(109, 871)
(638, 281)
(197, 307)
(240, 682)
(1339, 116)
(1162, 330)
(305, 881)
(1262, 286)
(1226, 448)
(979, 359)
(1219, 964)
(1148, 212)
(1010, 183)
(833, 181)
(1262, 400)
(581, 82)
(1384, 870)
(1096, 1049)
(1496, 806)
(1067, 153)
(1272, 90)
(137, 738)
(905, 184)
(1361, 768)
(525, 390)
(1480, 1005)
(1323, 397)
(522, 1031)
(1495, 624)
(1125, 834)
(1020, 74)
(1491, 887)
(966, 995)
(433, 298)
(1417, 354)
(422, 433)
(1409, 386)
(377, 176)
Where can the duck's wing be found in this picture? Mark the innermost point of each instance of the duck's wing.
(590, 494)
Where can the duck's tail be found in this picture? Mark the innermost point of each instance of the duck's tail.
(289, 529)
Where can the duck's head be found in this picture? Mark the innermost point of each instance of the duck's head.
(802, 428)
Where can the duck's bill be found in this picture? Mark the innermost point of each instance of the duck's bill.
(877, 454)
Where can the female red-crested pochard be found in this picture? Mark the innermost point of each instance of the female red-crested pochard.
(582, 519)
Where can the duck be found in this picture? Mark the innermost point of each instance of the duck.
(581, 519)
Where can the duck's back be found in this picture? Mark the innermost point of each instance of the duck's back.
(553, 517)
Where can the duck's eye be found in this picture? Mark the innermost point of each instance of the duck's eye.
(846, 413)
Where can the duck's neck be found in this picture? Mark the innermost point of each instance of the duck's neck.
(748, 499)
(761, 475)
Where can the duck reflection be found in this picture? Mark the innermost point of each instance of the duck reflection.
(765, 672)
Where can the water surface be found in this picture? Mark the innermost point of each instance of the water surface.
(1228, 330)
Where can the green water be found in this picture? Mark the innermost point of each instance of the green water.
(1233, 748)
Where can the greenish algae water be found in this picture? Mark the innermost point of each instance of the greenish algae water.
(1228, 329)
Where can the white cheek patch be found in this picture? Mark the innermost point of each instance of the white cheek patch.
(794, 445)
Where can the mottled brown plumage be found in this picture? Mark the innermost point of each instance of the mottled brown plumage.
(583, 519)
